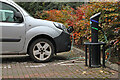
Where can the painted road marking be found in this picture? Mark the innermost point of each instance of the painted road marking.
(5, 67)
(36, 66)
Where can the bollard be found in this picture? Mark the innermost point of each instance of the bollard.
(94, 45)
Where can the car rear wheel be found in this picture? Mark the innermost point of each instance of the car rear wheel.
(41, 50)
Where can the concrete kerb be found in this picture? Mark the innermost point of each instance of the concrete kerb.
(108, 63)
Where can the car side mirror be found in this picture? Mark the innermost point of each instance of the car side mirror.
(70, 29)
(19, 17)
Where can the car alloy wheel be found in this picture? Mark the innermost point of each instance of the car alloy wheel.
(41, 50)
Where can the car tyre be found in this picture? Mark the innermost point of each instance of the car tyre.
(41, 50)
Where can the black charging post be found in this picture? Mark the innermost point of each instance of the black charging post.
(94, 45)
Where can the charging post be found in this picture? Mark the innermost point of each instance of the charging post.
(94, 45)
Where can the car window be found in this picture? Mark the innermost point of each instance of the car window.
(7, 13)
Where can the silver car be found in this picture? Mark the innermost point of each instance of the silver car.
(21, 33)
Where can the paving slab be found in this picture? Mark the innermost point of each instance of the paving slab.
(21, 66)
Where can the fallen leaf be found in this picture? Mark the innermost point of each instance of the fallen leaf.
(113, 73)
(101, 71)
(84, 72)
(77, 70)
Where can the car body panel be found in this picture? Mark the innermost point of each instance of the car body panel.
(11, 32)
(17, 36)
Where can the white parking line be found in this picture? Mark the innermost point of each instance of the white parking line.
(36, 66)
(63, 63)
(5, 67)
